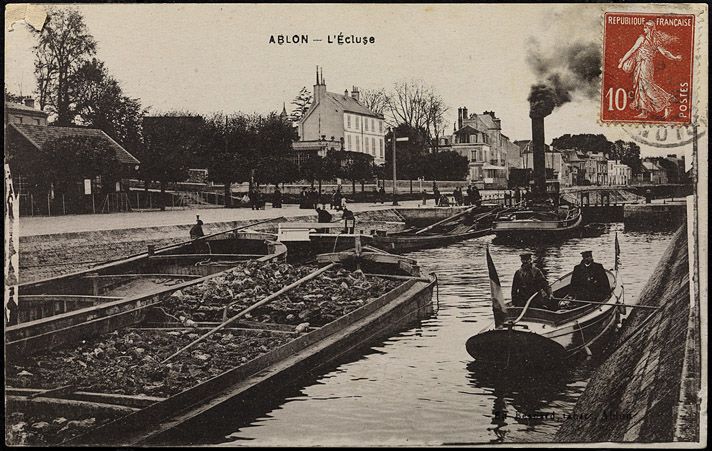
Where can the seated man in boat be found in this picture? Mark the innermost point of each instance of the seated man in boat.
(529, 280)
(589, 281)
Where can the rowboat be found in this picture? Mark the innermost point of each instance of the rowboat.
(459, 227)
(151, 420)
(539, 337)
(304, 240)
(53, 311)
(537, 223)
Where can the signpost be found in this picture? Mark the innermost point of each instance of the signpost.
(395, 179)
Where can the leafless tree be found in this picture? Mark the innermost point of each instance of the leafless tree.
(417, 105)
(375, 100)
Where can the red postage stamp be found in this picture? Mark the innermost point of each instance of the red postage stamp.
(647, 68)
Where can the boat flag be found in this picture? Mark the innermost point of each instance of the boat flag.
(499, 308)
(618, 253)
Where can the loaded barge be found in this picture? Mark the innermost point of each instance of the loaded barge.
(52, 312)
(386, 294)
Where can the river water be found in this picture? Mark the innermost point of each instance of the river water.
(421, 387)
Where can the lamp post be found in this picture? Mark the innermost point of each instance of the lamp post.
(393, 130)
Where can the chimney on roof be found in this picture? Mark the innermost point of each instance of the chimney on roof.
(459, 118)
(29, 102)
(354, 93)
(319, 87)
(464, 114)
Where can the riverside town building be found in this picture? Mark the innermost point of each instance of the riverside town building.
(341, 122)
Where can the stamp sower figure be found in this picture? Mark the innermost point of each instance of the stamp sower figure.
(648, 97)
(528, 280)
(589, 281)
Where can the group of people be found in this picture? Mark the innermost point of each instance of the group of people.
(471, 196)
(255, 198)
(309, 198)
(589, 282)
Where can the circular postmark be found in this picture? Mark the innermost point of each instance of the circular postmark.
(666, 137)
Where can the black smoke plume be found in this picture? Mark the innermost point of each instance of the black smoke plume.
(569, 71)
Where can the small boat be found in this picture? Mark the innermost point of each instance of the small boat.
(145, 420)
(537, 337)
(459, 227)
(538, 222)
(304, 240)
(116, 294)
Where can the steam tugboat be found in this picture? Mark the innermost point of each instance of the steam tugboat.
(541, 216)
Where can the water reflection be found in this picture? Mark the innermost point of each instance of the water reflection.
(420, 387)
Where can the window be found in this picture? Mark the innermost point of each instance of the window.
(348, 140)
(380, 126)
(358, 125)
(365, 123)
(373, 126)
(358, 142)
(348, 122)
(373, 145)
(380, 141)
(365, 145)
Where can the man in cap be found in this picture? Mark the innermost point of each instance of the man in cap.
(528, 280)
(589, 282)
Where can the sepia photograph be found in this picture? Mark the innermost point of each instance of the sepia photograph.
(355, 224)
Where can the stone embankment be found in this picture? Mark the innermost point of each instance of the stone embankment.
(648, 389)
(43, 256)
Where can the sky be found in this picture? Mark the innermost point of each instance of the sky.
(209, 58)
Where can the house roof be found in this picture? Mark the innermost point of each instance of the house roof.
(486, 119)
(38, 135)
(651, 166)
(24, 108)
(348, 103)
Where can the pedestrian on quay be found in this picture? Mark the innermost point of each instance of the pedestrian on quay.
(196, 233)
(337, 199)
(347, 215)
(517, 195)
(436, 194)
(529, 280)
(303, 198)
(476, 196)
(425, 197)
(323, 216)
(468, 198)
(382, 194)
(277, 198)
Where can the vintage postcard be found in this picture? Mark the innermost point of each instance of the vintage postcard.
(375, 224)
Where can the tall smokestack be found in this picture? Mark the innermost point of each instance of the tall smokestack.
(459, 118)
(538, 149)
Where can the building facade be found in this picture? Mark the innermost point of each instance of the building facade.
(479, 138)
(344, 119)
(619, 173)
(24, 113)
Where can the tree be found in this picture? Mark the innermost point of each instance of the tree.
(170, 142)
(101, 104)
(320, 168)
(301, 104)
(435, 123)
(273, 163)
(64, 46)
(375, 100)
(408, 153)
(628, 153)
(357, 167)
(586, 142)
(448, 165)
(225, 144)
(65, 160)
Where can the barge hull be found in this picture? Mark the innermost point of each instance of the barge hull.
(268, 373)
